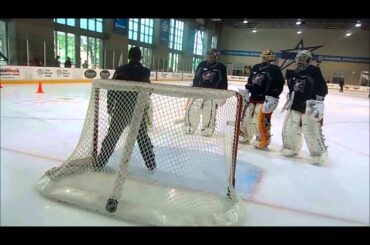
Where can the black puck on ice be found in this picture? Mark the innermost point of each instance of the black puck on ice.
(111, 205)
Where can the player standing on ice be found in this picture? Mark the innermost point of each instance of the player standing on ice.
(265, 84)
(209, 74)
(121, 105)
(305, 110)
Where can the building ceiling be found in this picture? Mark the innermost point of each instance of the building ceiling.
(291, 23)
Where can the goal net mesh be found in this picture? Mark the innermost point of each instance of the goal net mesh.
(135, 160)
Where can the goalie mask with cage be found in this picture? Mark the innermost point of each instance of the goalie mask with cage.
(304, 57)
(268, 55)
(215, 52)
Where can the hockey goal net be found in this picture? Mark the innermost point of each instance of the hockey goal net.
(134, 162)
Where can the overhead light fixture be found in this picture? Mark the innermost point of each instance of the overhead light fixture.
(299, 32)
(348, 34)
(254, 30)
(358, 24)
(298, 22)
(245, 21)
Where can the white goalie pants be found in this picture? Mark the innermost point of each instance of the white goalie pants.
(197, 108)
(249, 127)
(296, 124)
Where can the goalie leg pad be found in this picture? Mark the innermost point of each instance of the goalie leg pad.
(264, 126)
(314, 137)
(208, 118)
(292, 133)
(254, 122)
(192, 115)
(247, 127)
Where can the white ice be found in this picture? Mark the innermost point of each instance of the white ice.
(39, 131)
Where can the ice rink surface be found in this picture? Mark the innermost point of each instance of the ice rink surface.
(40, 131)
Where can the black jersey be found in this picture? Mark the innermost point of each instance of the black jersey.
(306, 84)
(133, 71)
(265, 79)
(210, 75)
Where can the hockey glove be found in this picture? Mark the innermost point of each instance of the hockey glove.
(315, 109)
(270, 104)
(245, 93)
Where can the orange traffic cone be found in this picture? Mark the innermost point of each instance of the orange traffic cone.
(39, 89)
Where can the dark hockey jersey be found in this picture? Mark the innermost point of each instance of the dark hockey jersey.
(306, 84)
(210, 75)
(265, 79)
(133, 71)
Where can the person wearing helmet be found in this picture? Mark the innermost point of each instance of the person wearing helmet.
(209, 74)
(305, 110)
(261, 98)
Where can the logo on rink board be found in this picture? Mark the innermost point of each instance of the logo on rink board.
(44, 73)
(104, 74)
(9, 73)
(163, 75)
(90, 74)
(64, 73)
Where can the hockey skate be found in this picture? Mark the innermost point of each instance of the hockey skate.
(257, 146)
(262, 144)
(288, 152)
(207, 132)
(244, 140)
(319, 159)
(189, 130)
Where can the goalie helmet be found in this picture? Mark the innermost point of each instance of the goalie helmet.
(215, 52)
(303, 57)
(268, 55)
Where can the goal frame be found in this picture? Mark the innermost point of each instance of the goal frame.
(112, 201)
